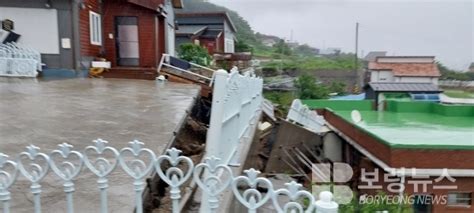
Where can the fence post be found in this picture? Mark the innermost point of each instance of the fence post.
(217, 113)
(325, 204)
(101, 168)
(36, 175)
(67, 174)
(6, 180)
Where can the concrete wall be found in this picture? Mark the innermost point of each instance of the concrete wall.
(429, 107)
(289, 136)
(348, 77)
(170, 29)
(432, 80)
(42, 28)
(332, 146)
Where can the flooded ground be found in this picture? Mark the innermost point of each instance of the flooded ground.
(77, 111)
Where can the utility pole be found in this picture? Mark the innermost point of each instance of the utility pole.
(356, 59)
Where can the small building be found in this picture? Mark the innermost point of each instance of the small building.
(422, 150)
(378, 90)
(415, 69)
(471, 67)
(213, 30)
(268, 40)
(131, 34)
(372, 55)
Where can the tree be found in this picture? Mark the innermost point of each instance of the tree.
(281, 47)
(305, 50)
(194, 53)
(307, 88)
(337, 87)
(447, 73)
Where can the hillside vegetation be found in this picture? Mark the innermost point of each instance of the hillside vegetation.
(280, 56)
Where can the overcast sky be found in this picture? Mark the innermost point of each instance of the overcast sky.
(400, 27)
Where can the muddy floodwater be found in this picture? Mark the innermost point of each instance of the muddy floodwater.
(77, 111)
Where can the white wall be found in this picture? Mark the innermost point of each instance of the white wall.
(405, 60)
(381, 76)
(229, 46)
(417, 80)
(38, 27)
(170, 41)
(228, 39)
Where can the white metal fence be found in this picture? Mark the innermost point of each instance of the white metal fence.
(67, 163)
(19, 61)
(236, 105)
(301, 114)
(455, 83)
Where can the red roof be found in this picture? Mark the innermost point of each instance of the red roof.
(408, 69)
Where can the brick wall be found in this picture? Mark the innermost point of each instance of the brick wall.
(88, 49)
(146, 31)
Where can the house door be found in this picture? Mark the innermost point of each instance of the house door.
(126, 34)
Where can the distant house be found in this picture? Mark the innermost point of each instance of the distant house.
(414, 69)
(330, 51)
(70, 34)
(268, 40)
(292, 44)
(213, 30)
(471, 68)
(372, 55)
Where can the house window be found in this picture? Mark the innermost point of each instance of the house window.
(95, 28)
(459, 198)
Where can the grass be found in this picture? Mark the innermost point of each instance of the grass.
(313, 63)
(459, 94)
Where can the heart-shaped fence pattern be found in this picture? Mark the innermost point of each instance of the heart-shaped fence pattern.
(212, 176)
(251, 197)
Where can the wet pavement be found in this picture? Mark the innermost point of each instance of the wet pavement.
(77, 111)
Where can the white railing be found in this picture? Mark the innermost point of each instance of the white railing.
(67, 163)
(455, 83)
(449, 100)
(301, 114)
(236, 105)
(19, 61)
